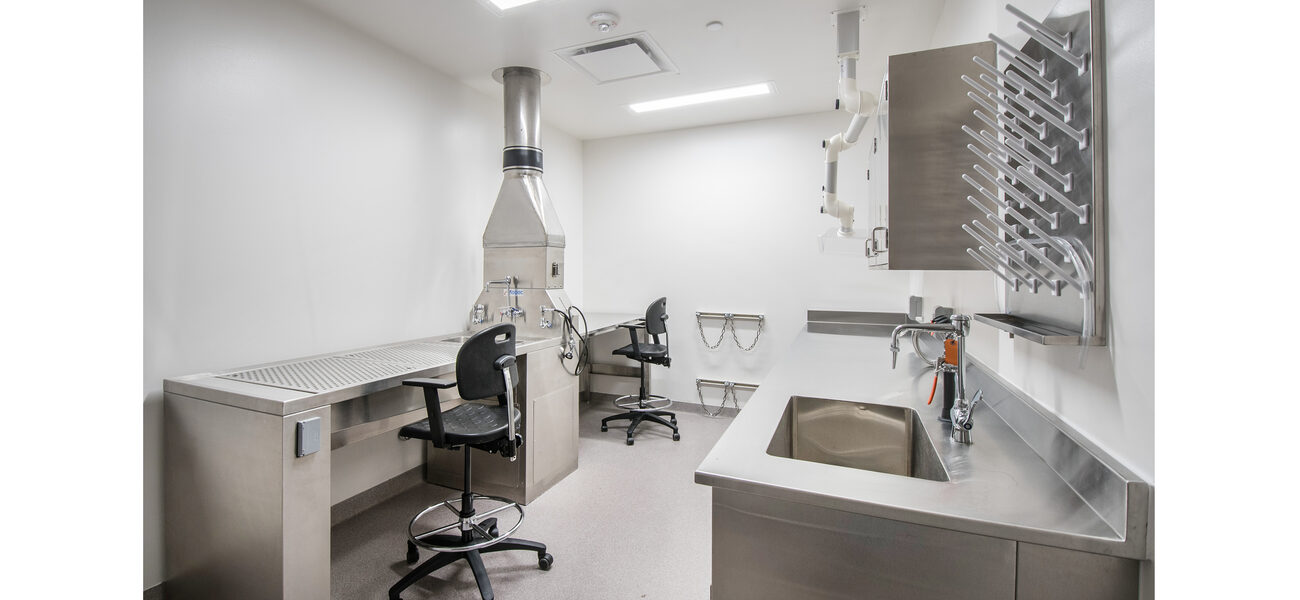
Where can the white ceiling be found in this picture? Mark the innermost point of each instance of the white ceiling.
(788, 42)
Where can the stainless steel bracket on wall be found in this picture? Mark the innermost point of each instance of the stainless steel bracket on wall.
(729, 320)
(728, 389)
(1039, 180)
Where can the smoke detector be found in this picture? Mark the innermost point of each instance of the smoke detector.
(603, 22)
(619, 59)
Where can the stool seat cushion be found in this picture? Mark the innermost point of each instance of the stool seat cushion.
(469, 423)
(646, 350)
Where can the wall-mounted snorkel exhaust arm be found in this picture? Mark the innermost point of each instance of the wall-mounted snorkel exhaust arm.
(857, 103)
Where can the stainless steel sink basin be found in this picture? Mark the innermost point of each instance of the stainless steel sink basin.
(873, 437)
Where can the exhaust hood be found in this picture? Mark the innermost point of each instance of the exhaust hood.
(523, 216)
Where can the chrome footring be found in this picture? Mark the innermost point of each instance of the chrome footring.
(635, 405)
(463, 524)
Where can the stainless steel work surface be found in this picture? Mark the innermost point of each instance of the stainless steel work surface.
(997, 486)
(291, 386)
(602, 322)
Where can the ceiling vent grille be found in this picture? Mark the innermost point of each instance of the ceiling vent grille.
(618, 59)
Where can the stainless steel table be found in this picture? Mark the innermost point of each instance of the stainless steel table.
(247, 511)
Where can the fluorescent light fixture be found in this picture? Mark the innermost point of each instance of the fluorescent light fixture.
(744, 91)
(509, 4)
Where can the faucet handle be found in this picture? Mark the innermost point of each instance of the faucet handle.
(979, 395)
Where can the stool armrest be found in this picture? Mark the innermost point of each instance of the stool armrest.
(425, 382)
(432, 406)
(631, 333)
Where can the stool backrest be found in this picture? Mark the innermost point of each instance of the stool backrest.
(656, 317)
(476, 373)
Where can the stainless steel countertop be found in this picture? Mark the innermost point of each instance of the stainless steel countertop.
(603, 322)
(283, 401)
(998, 485)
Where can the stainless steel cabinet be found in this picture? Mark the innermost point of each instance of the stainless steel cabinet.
(766, 547)
(769, 548)
(917, 200)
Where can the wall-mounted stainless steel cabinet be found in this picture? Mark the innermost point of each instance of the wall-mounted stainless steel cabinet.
(917, 200)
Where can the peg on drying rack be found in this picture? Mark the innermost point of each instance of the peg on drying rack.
(996, 253)
(1042, 187)
(984, 95)
(1078, 62)
(1029, 104)
(1078, 135)
(1028, 223)
(1000, 259)
(1016, 54)
(1019, 257)
(1014, 283)
(1028, 178)
(1052, 87)
(1050, 264)
(1026, 88)
(1063, 40)
(1053, 219)
(1023, 156)
(1011, 127)
(1027, 123)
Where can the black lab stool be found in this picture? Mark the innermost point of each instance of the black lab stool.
(485, 369)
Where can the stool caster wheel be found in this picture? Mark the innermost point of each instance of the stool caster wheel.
(544, 562)
(672, 420)
(630, 441)
(677, 437)
(604, 427)
(412, 554)
(494, 532)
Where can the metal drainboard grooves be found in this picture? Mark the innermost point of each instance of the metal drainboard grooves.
(420, 354)
(321, 374)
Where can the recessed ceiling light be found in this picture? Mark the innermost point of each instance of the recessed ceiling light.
(713, 25)
(509, 4)
(744, 91)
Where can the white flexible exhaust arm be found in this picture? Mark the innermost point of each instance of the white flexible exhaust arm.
(856, 102)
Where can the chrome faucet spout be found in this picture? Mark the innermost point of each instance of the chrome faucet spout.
(949, 328)
(508, 281)
(957, 328)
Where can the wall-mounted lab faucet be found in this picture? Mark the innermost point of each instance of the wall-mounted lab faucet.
(958, 328)
(513, 311)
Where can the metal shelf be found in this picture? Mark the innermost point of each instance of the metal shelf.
(1038, 332)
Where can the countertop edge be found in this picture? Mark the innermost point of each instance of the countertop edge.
(296, 401)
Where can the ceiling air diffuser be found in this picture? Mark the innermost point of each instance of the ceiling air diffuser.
(619, 59)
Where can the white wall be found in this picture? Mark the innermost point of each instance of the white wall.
(734, 210)
(1111, 398)
(308, 190)
(725, 219)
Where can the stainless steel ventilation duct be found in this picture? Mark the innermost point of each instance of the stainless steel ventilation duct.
(523, 244)
(523, 216)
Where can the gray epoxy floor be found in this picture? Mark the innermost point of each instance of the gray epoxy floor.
(630, 523)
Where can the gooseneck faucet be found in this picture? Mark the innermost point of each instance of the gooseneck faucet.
(511, 312)
(958, 328)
